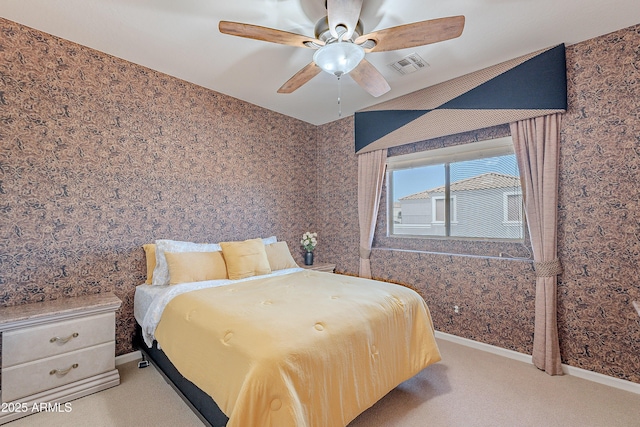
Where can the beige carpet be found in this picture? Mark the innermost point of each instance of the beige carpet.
(142, 399)
(468, 388)
(475, 388)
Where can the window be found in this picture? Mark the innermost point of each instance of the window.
(438, 210)
(466, 191)
(513, 208)
(439, 207)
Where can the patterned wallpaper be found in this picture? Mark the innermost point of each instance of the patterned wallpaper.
(99, 156)
(599, 226)
(599, 212)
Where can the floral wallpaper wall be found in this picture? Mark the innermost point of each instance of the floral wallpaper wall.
(99, 156)
(599, 226)
(599, 207)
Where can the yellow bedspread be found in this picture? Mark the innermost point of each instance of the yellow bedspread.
(303, 349)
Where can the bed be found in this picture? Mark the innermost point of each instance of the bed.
(292, 347)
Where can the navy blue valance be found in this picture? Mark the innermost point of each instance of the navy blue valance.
(530, 86)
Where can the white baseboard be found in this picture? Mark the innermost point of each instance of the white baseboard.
(129, 357)
(526, 358)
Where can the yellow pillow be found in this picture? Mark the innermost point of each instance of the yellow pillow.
(245, 259)
(185, 267)
(150, 253)
(279, 256)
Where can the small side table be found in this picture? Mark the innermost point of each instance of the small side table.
(319, 266)
(57, 351)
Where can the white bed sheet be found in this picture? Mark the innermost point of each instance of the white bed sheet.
(149, 304)
(142, 299)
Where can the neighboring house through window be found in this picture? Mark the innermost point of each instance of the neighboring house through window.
(480, 181)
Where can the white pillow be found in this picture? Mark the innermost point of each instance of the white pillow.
(269, 240)
(161, 272)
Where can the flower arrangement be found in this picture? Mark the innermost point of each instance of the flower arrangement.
(309, 241)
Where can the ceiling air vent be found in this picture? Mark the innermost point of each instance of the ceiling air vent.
(409, 64)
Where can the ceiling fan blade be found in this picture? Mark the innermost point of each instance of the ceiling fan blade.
(370, 79)
(267, 34)
(345, 13)
(416, 34)
(300, 78)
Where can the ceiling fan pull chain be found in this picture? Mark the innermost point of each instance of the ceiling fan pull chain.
(339, 96)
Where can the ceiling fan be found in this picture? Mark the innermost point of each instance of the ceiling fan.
(340, 44)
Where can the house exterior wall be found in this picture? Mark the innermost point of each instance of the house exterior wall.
(467, 221)
(490, 225)
(416, 218)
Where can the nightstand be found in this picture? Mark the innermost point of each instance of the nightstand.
(329, 268)
(56, 351)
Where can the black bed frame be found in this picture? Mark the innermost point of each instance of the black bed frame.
(201, 403)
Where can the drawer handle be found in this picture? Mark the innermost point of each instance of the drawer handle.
(64, 340)
(61, 372)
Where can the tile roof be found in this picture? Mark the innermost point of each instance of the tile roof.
(480, 182)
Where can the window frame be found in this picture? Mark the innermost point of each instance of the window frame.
(446, 156)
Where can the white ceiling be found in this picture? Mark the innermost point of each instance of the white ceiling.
(181, 38)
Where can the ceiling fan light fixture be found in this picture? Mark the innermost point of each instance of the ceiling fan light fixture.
(338, 58)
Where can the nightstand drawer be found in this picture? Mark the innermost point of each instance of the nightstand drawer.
(25, 345)
(33, 377)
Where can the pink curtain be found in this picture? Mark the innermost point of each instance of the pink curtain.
(371, 169)
(537, 143)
